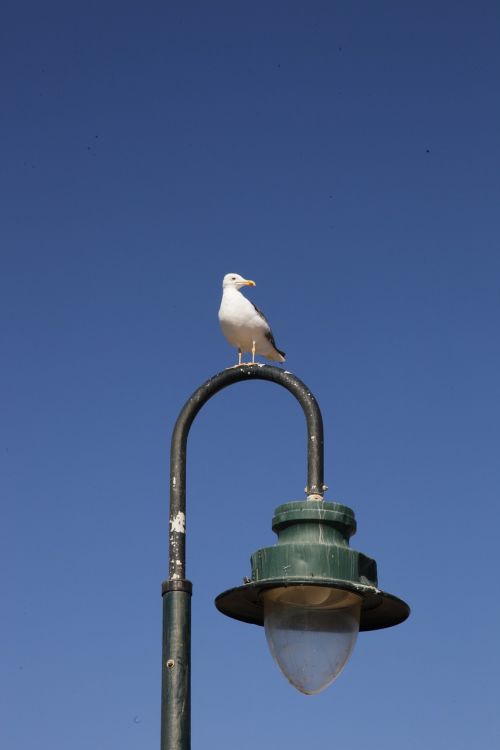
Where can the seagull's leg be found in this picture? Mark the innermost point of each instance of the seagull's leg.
(239, 357)
(253, 352)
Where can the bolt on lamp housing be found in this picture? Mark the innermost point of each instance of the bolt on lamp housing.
(312, 593)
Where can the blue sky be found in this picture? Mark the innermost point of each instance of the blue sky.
(345, 156)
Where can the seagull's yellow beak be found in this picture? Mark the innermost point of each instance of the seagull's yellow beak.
(249, 282)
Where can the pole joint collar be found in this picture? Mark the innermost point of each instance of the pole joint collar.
(176, 584)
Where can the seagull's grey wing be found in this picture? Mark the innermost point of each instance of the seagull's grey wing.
(261, 315)
(268, 334)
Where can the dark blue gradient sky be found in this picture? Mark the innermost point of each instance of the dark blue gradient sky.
(345, 156)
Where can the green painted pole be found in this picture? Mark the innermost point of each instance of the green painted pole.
(176, 666)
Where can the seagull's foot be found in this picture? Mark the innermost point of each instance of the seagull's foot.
(239, 364)
(245, 364)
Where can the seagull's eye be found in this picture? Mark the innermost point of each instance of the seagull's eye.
(233, 278)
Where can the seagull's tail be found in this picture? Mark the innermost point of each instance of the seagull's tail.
(276, 355)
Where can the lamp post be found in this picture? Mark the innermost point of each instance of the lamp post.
(311, 591)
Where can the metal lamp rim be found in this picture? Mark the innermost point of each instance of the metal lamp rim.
(379, 609)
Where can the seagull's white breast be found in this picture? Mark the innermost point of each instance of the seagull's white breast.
(240, 322)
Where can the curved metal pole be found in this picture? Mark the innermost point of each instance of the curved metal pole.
(315, 486)
(175, 731)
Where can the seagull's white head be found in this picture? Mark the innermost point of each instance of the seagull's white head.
(235, 281)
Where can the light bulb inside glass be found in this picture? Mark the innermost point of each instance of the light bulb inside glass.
(311, 631)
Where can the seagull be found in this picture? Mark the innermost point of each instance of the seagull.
(243, 324)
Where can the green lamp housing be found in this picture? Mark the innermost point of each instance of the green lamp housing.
(313, 593)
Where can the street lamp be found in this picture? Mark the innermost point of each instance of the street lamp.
(311, 591)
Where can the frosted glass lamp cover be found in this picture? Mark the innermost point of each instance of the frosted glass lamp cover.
(311, 631)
